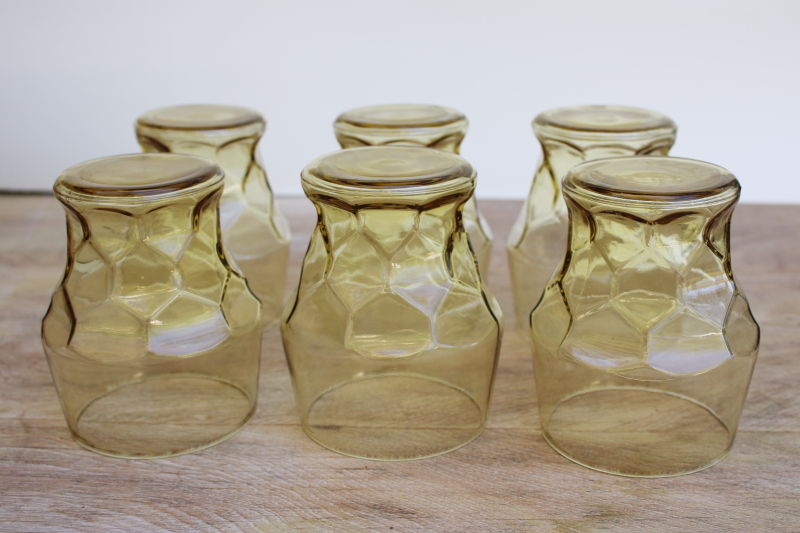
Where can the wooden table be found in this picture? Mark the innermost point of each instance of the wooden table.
(272, 478)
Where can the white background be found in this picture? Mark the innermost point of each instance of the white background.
(75, 74)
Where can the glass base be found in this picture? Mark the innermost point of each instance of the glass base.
(163, 417)
(394, 417)
(637, 432)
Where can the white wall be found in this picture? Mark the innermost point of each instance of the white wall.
(75, 74)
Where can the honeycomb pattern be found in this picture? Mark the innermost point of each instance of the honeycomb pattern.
(538, 239)
(254, 230)
(382, 282)
(647, 298)
(147, 283)
(476, 226)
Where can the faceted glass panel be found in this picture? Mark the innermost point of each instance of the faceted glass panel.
(239, 309)
(706, 287)
(552, 323)
(387, 229)
(307, 322)
(113, 232)
(686, 343)
(88, 280)
(677, 238)
(452, 330)
(419, 274)
(110, 333)
(588, 282)
(342, 224)
(358, 254)
(145, 280)
(169, 230)
(201, 270)
(58, 326)
(606, 340)
(741, 329)
(405, 330)
(316, 261)
(188, 324)
(645, 290)
(437, 223)
(619, 238)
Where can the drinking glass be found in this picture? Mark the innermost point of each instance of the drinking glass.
(152, 337)
(644, 343)
(391, 338)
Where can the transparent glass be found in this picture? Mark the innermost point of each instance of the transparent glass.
(433, 126)
(391, 337)
(153, 340)
(643, 341)
(254, 230)
(568, 136)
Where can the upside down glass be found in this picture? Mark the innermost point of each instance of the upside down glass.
(152, 338)
(432, 126)
(644, 343)
(391, 337)
(254, 230)
(568, 136)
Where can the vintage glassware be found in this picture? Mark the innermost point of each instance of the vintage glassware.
(433, 126)
(568, 136)
(254, 230)
(153, 339)
(643, 341)
(391, 337)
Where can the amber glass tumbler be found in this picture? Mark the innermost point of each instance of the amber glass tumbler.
(643, 341)
(568, 136)
(254, 230)
(153, 340)
(432, 126)
(391, 337)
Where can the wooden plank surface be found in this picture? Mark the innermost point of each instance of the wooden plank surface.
(271, 478)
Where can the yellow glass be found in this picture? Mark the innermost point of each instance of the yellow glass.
(568, 136)
(644, 343)
(153, 339)
(254, 230)
(433, 126)
(391, 337)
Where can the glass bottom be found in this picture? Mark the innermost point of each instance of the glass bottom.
(394, 417)
(163, 417)
(637, 432)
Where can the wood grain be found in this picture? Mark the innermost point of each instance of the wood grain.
(271, 478)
